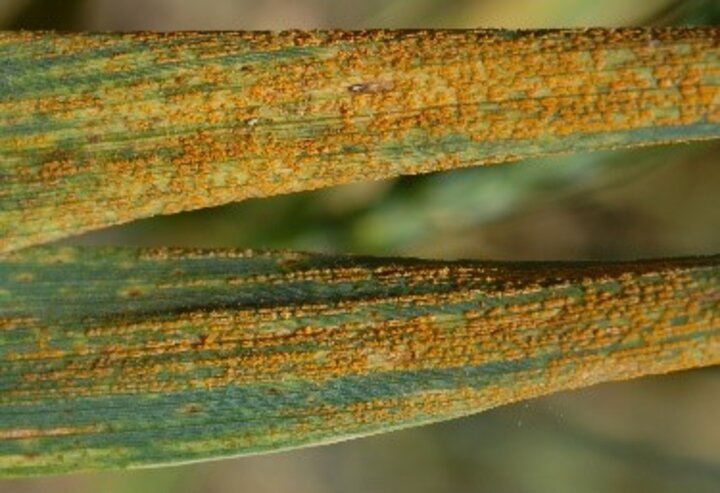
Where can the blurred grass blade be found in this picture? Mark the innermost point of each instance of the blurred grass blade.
(115, 358)
(101, 129)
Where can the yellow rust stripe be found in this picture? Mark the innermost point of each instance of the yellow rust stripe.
(96, 355)
(101, 129)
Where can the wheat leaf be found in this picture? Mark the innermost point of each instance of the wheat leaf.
(117, 358)
(101, 129)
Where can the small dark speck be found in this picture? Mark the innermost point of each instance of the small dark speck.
(357, 88)
(202, 340)
(192, 409)
(134, 292)
(370, 87)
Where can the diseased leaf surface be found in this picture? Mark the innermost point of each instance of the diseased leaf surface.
(114, 358)
(101, 129)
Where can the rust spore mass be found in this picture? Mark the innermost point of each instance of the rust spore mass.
(229, 344)
(120, 358)
(114, 127)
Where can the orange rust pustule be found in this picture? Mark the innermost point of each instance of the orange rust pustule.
(447, 315)
(171, 122)
(107, 351)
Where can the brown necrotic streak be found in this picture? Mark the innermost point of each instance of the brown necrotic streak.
(405, 341)
(101, 129)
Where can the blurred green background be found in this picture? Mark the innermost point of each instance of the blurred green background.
(658, 434)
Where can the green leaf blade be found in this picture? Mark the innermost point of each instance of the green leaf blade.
(117, 358)
(102, 129)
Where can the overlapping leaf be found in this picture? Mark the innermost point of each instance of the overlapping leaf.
(115, 358)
